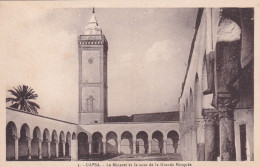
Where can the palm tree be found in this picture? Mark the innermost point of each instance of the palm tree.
(23, 95)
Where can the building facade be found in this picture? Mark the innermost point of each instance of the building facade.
(217, 98)
(39, 137)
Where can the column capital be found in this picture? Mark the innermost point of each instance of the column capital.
(47, 140)
(209, 115)
(226, 115)
(15, 137)
(226, 101)
(28, 139)
(104, 140)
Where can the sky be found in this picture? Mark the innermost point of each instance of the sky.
(147, 56)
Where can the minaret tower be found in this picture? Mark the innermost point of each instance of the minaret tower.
(92, 49)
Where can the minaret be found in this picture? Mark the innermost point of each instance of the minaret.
(92, 49)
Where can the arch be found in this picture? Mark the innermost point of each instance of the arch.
(68, 144)
(82, 145)
(172, 141)
(74, 136)
(97, 143)
(61, 144)
(111, 144)
(157, 142)
(54, 142)
(45, 139)
(11, 135)
(142, 142)
(127, 142)
(35, 143)
(24, 152)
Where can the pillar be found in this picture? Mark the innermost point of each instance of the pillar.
(194, 144)
(39, 148)
(201, 141)
(63, 148)
(210, 131)
(29, 147)
(49, 148)
(237, 141)
(134, 145)
(90, 148)
(227, 142)
(57, 148)
(164, 146)
(104, 146)
(150, 146)
(118, 146)
(247, 149)
(16, 150)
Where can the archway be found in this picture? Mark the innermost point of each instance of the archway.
(82, 145)
(172, 141)
(36, 141)
(62, 144)
(11, 136)
(45, 142)
(68, 144)
(127, 143)
(142, 142)
(25, 143)
(97, 143)
(111, 144)
(157, 142)
(54, 142)
(74, 137)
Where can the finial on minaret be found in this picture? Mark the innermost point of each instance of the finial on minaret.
(93, 11)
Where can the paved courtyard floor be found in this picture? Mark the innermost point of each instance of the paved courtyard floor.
(136, 157)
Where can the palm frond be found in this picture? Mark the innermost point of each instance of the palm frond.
(22, 96)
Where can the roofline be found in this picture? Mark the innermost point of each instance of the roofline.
(197, 24)
(26, 112)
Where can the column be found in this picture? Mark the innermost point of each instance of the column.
(247, 149)
(118, 146)
(150, 146)
(63, 148)
(201, 141)
(237, 141)
(227, 142)
(165, 146)
(104, 146)
(90, 148)
(194, 144)
(57, 148)
(16, 150)
(40, 148)
(69, 145)
(134, 145)
(210, 130)
(49, 148)
(29, 140)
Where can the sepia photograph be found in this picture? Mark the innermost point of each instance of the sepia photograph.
(132, 84)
